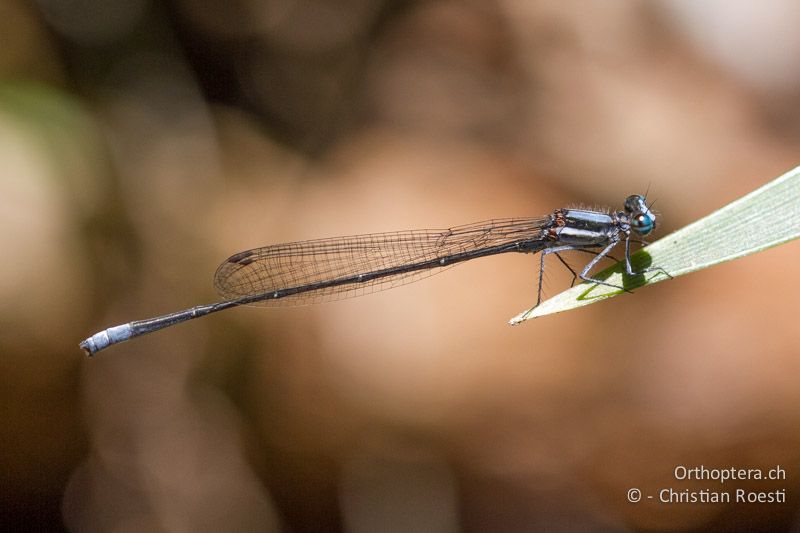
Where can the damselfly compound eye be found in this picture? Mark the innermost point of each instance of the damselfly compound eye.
(635, 203)
(643, 223)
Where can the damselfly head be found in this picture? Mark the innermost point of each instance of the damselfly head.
(643, 221)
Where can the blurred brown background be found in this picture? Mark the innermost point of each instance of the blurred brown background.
(142, 142)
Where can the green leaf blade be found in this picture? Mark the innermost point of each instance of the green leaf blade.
(734, 231)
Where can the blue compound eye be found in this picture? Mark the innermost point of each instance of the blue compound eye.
(643, 223)
(635, 204)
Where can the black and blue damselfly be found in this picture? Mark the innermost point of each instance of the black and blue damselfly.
(321, 270)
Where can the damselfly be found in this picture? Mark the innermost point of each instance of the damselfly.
(310, 272)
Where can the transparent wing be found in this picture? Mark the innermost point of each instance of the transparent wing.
(333, 263)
